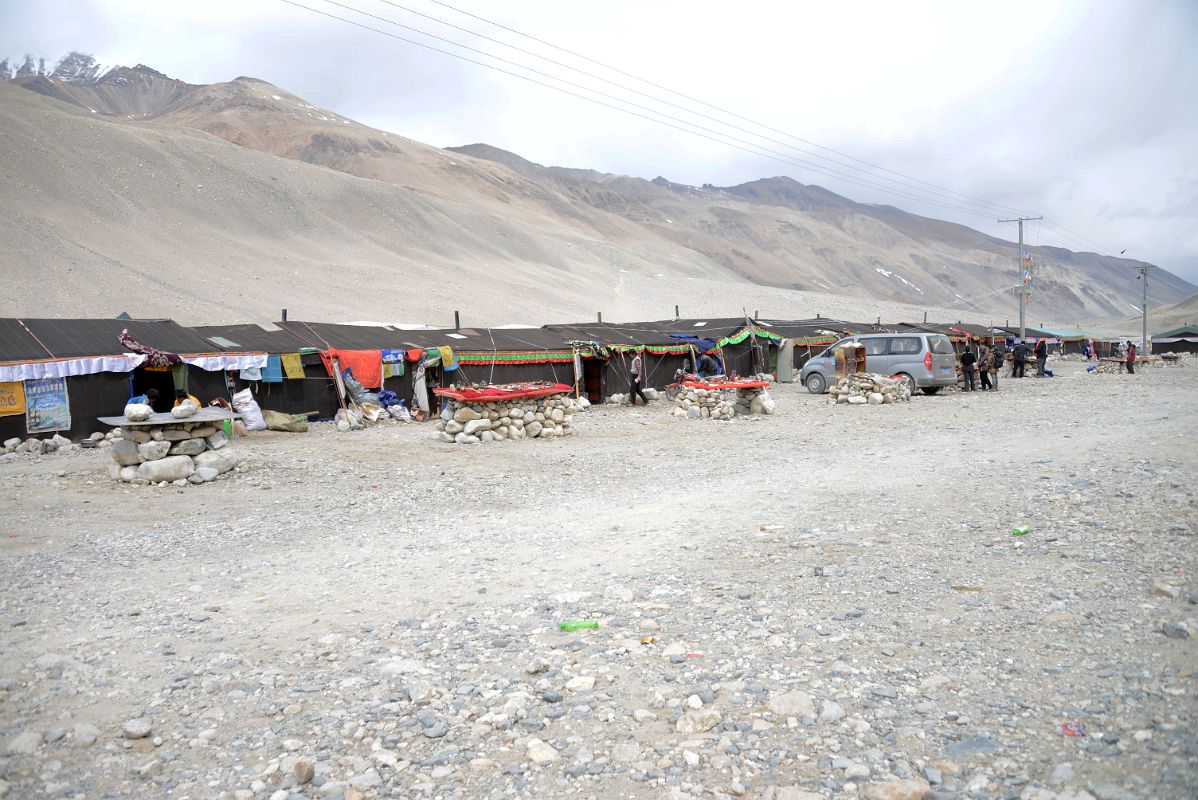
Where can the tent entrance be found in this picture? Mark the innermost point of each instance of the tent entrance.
(145, 379)
(592, 379)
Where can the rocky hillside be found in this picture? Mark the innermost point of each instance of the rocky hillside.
(774, 232)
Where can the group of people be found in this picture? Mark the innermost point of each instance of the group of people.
(983, 363)
(150, 398)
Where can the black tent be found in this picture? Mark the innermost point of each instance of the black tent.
(89, 357)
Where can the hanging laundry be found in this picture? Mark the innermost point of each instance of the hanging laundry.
(251, 374)
(179, 376)
(448, 362)
(158, 359)
(273, 371)
(293, 367)
(366, 364)
(416, 354)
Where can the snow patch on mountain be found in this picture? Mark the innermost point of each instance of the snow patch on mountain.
(74, 66)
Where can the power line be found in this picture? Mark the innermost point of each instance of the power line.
(712, 106)
(906, 181)
(694, 129)
(1077, 236)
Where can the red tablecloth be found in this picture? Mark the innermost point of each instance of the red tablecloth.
(497, 394)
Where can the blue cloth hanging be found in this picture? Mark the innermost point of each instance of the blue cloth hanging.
(273, 371)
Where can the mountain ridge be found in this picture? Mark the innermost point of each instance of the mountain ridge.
(774, 232)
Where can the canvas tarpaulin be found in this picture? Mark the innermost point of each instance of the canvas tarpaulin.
(367, 365)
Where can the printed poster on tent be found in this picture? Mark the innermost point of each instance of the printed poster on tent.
(12, 398)
(47, 406)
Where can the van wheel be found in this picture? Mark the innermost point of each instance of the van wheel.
(932, 390)
(907, 379)
(816, 383)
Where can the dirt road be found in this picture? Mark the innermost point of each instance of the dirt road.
(836, 603)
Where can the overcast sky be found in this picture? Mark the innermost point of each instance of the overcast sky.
(1084, 112)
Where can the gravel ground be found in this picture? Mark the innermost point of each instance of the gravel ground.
(826, 603)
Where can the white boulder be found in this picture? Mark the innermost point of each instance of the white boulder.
(170, 468)
(138, 412)
(184, 410)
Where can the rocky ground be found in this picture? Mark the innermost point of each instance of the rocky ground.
(825, 603)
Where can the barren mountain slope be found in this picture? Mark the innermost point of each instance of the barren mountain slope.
(102, 215)
(99, 216)
(781, 232)
(773, 232)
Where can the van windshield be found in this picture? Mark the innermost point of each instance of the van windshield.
(939, 343)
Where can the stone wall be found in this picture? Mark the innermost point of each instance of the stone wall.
(721, 404)
(482, 423)
(868, 388)
(178, 453)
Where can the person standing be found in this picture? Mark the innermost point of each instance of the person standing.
(1041, 356)
(984, 365)
(637, 372)
(1019, 356)
(1131, 358)
(997, 357)
(968, 363)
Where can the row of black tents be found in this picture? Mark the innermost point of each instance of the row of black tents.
(594, 356)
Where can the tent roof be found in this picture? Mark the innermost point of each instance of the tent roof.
(1184, 330)
(807, 328)
(251, 337)
(294, 335)
(650, 333)
(78, 338)
(16, 344)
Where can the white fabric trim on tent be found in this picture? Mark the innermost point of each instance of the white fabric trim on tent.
(230, 362)
(70, 367)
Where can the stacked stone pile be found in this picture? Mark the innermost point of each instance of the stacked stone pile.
(475, 423)
(37, 447)
(178, 453)
(721, 404)
(868, 388)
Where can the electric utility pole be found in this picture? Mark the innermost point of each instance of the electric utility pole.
(1144, 310)
(1025, 273)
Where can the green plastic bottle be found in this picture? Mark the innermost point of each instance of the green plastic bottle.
(579, 625)
(1021, 530)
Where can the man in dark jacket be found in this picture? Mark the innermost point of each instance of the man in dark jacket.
(968, 362)
(1019, 356)
(984, 366)
(1041, 357)
(997, 356)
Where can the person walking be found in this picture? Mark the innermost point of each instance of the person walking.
(984, 365)
(1041, 352)
(997, 357)
(637, 373)
(1131, 359)
(968, 363)
(1019, 356)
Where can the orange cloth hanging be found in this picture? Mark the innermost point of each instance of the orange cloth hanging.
(366, 364)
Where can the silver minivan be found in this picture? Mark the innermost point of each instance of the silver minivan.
(924, 360)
